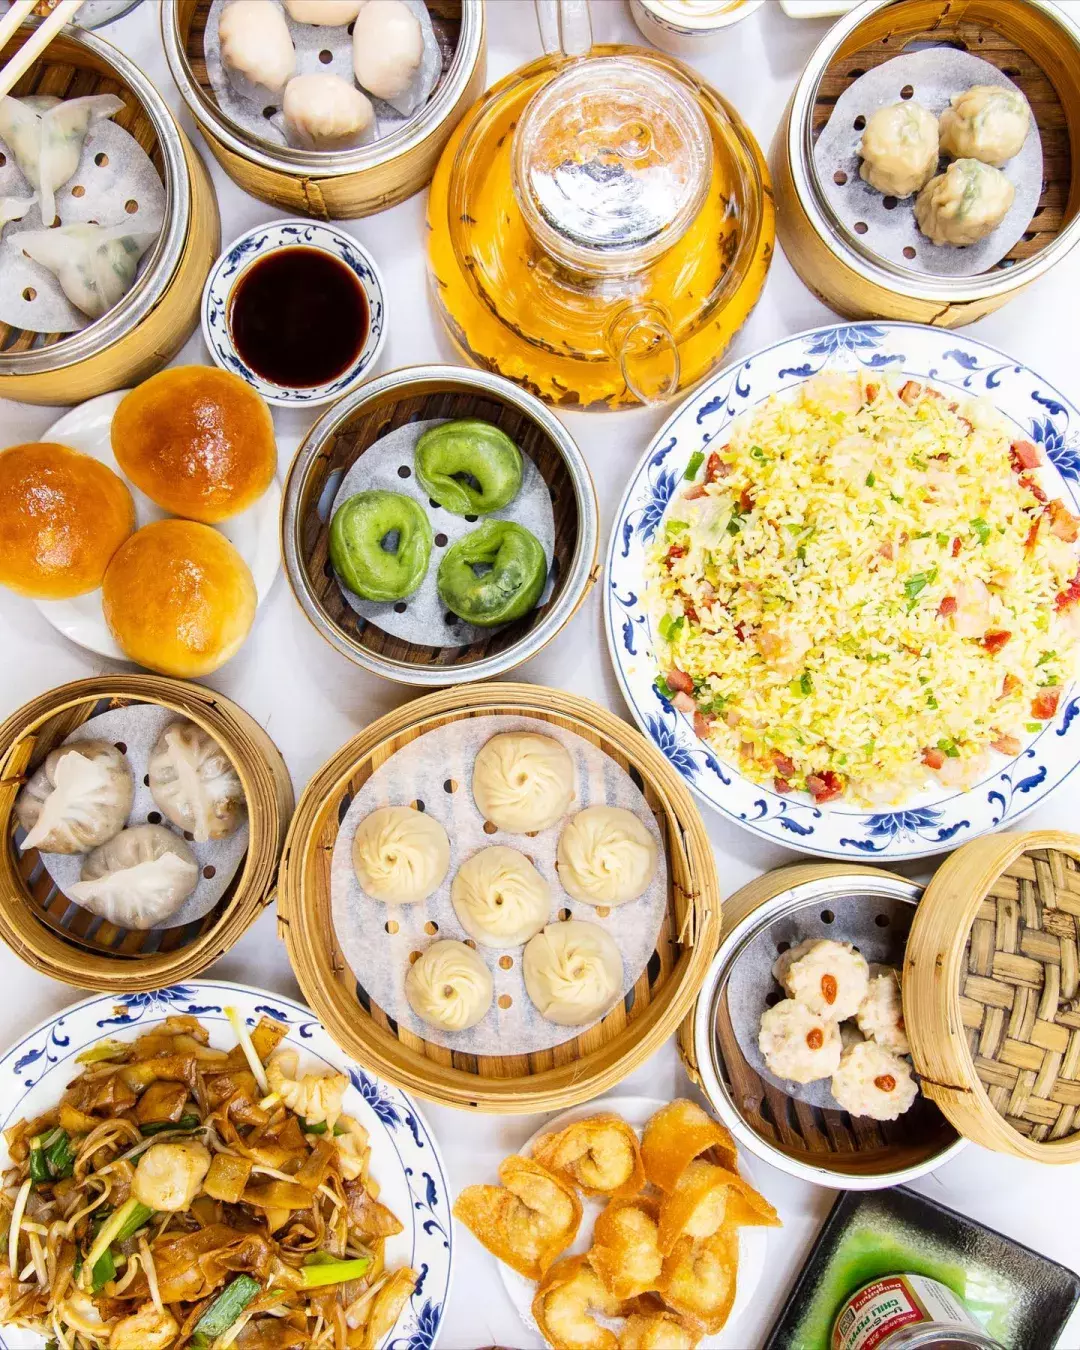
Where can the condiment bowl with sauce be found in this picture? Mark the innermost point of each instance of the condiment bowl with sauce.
(297, 308)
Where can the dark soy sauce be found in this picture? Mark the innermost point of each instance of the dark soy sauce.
(299, 317)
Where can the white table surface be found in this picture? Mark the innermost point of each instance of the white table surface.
(311, 700)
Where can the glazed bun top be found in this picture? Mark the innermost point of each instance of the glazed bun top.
(62, 517)
(198, 441)
(178, 598)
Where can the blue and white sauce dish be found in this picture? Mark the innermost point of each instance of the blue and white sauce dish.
(934, 821)
(258, 296)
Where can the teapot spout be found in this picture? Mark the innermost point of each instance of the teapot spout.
(640, 339)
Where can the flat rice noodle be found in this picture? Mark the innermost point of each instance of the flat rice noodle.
(75, 1121)
(267, 1036)
(276, 1195)
(278, 1144)
(162, 1101)
(272, 1333)
(368, 1215)
(387, 1305)
(316, 1166)
(191, 1266)
(162, 1068)
(227, 1177)
(110, 1096)
(186, 1025)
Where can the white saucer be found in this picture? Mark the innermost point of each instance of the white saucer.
(753, 1242)
(254, 532)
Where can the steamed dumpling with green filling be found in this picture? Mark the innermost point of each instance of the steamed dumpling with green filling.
(964, 204)
(95, 266)
(988, 122)
(45, 136)
(899, 149)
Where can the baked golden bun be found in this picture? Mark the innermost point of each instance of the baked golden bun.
(197, 440)
(178, 598)
(62, 517)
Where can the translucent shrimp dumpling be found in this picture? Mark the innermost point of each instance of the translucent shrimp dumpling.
(95, 266)
(46, 135)
(256, 47)
(899, 149)
(391, 58)
(988, 122)
(325, 112)
(78, 799)
(326, 13)
(964, 204)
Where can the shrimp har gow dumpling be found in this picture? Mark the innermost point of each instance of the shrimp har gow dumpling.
(964, 204)
(606, 856)
(573, 972)
(78, 799)
(45, 135)
(449, 986)
(256, 47)
(325, 112)
(194, 783)
(138, 879)
(522, 781)
(400, 855)
(325, 13)
(899, 149)
(987, 122)
(388, 46)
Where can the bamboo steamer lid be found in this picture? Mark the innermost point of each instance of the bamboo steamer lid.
(991, 991)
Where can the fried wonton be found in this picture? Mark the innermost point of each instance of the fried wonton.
(704, 1198)
(600, 1155)
(527, 1221)
(654, 1327)
(625, 1253)
(565, 1304)
(678, 1133)
(700, 1276)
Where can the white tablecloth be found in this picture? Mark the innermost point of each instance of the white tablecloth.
(311, 700)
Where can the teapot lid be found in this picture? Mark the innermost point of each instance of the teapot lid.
(612, 162)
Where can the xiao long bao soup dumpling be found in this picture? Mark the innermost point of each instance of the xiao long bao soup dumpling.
(573, 972)
(899, 149)
(523, 782)
(964, 204)
(400, 855)
(987, 122)
(500, 898)
(449, 986)
(606, 856)
(79, 799)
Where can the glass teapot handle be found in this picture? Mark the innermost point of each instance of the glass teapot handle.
(640, 339)
(565, 26)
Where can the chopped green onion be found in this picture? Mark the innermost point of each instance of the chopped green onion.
(919, 462)
(1045, 658)
(800, 553)
(981, 529)
(320, 1272)
(255, 1064)
(186, 1122)
(948, 747)
(669, 626)
(870, 480)
(138, 1218)
(104, 1270)
(734, 525)
(113, 1226)
(663, 688)
(51, 1157)
(899, 500)
(674, 527)
(931, 701)
(943, 540)
(757, 452)
(805, 683)
(697, 459)
(1033, 726)
(318, 1128)
(107, 1049)
(793, 528)
(224, 1310)
(913, 587)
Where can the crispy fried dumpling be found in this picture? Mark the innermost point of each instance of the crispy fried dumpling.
(705, 1198)
(699, 1278)
(899, 149)
(527, 1221)
(658, 1328)
(600, 1155)
(625, 1251)
(987, 122)
(566, 1302)
(964, 204)
(678, 1133)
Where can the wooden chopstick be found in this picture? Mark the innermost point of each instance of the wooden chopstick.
(20, 10)
(35, 45)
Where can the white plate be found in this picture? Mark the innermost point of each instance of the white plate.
(636, 1111)
(254, 532)
(405, 1157)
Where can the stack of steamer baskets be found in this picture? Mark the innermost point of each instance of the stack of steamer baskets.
(66, 941)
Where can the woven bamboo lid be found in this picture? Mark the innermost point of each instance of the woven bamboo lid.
(992, 993)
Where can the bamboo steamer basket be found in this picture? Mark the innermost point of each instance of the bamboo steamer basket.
(992, 993)
(68, 943)
(340, 438)
(153, 321)
(826, 1146)
(1037, 44)
(581, 1068)
(333, 185)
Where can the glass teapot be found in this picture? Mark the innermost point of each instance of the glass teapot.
(601, 223)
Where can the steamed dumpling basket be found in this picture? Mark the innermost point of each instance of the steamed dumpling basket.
(67, 942)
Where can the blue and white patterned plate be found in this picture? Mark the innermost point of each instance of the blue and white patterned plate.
(257, 243)
(936, 820)
(405, 1157)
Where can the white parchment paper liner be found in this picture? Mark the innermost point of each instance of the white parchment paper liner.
(424, 617)
(259, 115)
(935, 74)
(96, 193)
(437, 769)
(137, 728)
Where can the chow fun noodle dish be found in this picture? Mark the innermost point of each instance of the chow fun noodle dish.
(871, 588)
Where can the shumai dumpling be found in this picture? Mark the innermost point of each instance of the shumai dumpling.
(964, 204)
(678, 1133)
(829, 977)
(797, 1043)
(600, 1155)
(899, 149)
(872, 1081)
(987, 122)
(527, 1221)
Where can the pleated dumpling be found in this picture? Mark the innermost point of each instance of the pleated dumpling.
(989, 122)
(194, 783)
(139, 878)
(449, 986)
(45, 135)
(80, 798)
(964, 204)
(500, 897)
(899, 149)
(523, 782)
(400, 855)
(95, 265)
(606, 856)
(573, 972)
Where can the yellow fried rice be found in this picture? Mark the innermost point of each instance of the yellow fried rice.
(866, 589)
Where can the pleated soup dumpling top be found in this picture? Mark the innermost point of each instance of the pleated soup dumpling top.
(830, 978)
(449, 986)
(523, 782)
(573, 972)
(606, 856)
(799, 1044)
(400, 855)
(500, 898)
(899, 149)
(987, 122)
